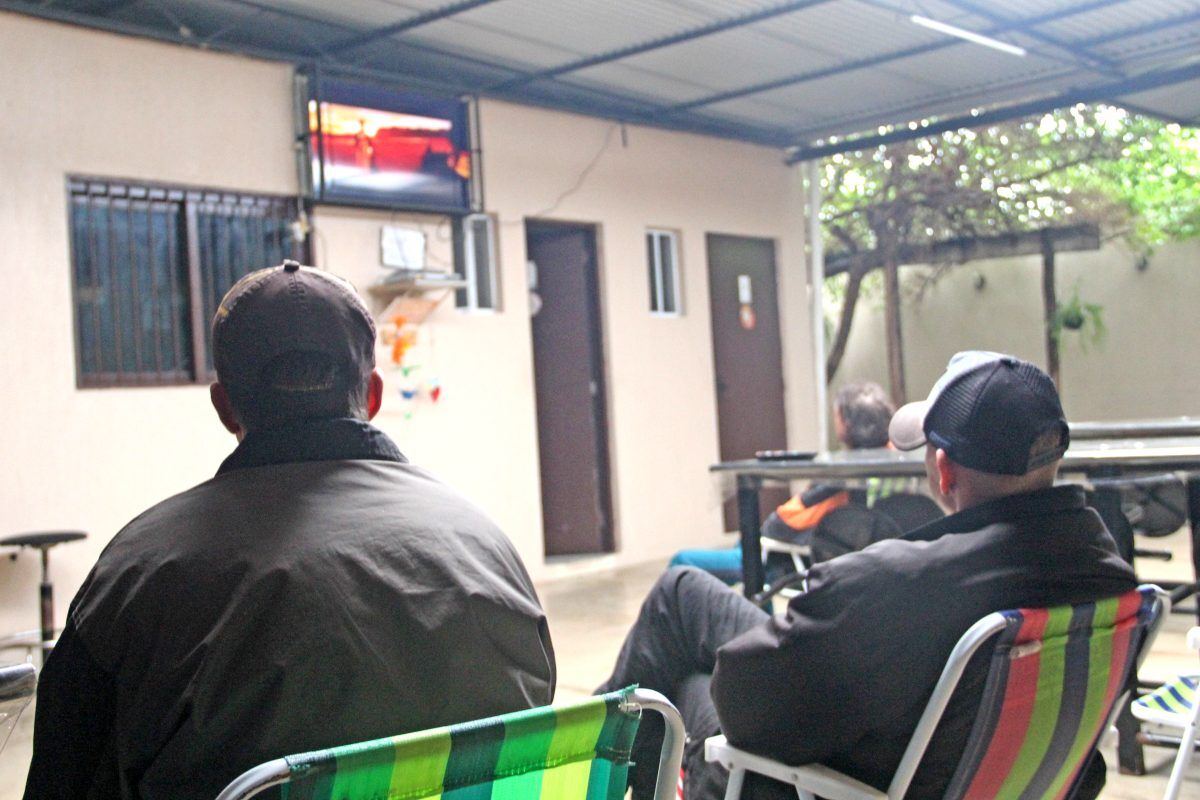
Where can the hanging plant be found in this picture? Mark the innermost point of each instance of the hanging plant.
(1085, 318)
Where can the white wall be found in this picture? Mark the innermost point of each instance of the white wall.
(83, 102)
(1143, 369)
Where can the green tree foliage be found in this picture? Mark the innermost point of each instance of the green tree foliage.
(1135, 177)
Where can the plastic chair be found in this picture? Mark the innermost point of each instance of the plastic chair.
(841, 531)
(1174, 705)
(572, 752)
(17, 683)
(1025, 742)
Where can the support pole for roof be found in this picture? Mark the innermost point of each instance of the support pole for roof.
(816, 298)
(1050, 304)
(895, 336)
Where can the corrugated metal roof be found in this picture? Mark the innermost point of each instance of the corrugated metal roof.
(777, 72)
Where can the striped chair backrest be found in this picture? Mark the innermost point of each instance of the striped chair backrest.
(578, 751)
(1054, 678)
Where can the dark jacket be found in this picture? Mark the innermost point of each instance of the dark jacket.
(843, 677)
(318, 591)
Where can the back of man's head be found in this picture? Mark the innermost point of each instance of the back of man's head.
(291, 343)
(865, 411)
(997, 417)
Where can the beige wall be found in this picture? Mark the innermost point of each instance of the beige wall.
(82, 102)
(1144, 368)
(76, 102)
(482, 434)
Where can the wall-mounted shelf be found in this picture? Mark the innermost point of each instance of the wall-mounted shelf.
(415, 284)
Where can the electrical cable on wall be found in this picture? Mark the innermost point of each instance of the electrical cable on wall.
(579, 180)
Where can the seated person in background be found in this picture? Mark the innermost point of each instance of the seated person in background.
(842, 677)
(320, 590)
(861, 412)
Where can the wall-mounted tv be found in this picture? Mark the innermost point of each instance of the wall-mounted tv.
(370, 145)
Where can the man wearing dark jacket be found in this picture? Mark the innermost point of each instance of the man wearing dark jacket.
(842, 677)
(320, 590)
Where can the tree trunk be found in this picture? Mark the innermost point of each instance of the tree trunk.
(1050, 305)
(895, 340)
(849, 304)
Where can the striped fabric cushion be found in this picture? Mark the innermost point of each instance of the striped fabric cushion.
(1054, 677)
(578, 751)
(1170, 702)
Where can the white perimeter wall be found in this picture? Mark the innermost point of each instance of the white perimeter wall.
(81, 102)
(1146, 367)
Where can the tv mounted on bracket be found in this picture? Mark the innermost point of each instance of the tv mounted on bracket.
(370, 145)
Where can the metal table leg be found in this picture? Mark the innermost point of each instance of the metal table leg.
(1192, 482)
(749, 524)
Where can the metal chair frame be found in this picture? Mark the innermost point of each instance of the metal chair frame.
(276, 772)
(815, 780)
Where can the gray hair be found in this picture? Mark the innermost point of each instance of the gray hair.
(866, 410)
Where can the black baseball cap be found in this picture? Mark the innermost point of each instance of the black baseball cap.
(290, 308)
(986, 411)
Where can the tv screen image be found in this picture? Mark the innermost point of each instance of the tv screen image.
(376, 147)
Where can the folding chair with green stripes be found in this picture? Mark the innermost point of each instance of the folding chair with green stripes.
(1055, 676)
(570, 752)
(1175, 704)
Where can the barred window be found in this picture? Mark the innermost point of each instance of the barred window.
(150, 264)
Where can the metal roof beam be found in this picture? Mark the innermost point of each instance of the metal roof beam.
(711, 28)
(1083, 57)
(106, 8)
(1141, 30)
(407, 24)
(136, 29)
(960, 250)
(874, 61)
(1151, 80)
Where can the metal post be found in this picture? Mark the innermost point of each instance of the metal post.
(47, 597)
(1192, 482)
(748, 524)
(816, 297)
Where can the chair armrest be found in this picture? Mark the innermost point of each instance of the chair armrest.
(822, 781)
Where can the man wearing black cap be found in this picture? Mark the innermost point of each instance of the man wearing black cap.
(318, 591)
(843, 676)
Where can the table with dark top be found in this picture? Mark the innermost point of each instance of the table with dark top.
(1090, 457)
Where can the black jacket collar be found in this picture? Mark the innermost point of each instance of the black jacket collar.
(1038, 503)
(313, 440)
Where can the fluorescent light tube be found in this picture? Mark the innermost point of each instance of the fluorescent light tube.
(969, 36)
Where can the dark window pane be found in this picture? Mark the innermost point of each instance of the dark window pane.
(482, 245)
(122, 286)
(652, 264)
(667, 264)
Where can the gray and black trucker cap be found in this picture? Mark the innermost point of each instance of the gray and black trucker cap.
(986, 411)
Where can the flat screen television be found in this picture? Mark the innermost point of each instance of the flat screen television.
(370, 145)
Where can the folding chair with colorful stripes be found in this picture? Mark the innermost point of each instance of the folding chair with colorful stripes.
(1175, 704)
(570, 752)
(1053, 683)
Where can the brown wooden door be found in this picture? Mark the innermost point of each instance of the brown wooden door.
(747, 354)
(568, 365)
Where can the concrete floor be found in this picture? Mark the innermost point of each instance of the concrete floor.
(589, 615)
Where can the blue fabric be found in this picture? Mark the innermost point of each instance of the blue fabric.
(725, 565)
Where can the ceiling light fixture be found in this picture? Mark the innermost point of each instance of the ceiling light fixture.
(969, 36)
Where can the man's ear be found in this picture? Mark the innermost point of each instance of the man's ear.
(220, 400)
(374, 394)
(947, 473)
